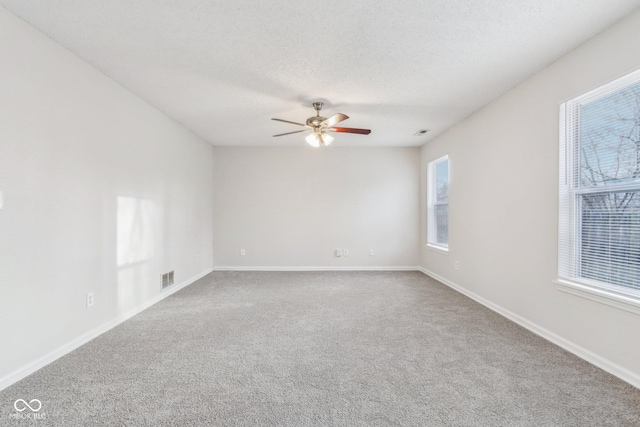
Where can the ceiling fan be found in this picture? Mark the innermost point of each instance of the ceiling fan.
(319, 126)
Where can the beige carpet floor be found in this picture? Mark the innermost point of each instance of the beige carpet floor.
(322, 348)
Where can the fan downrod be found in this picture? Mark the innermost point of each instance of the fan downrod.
(316, 121)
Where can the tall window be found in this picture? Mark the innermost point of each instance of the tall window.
(599, 223)
(438, 203)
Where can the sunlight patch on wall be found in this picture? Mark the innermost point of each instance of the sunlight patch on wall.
(136, 224)
(135, 230)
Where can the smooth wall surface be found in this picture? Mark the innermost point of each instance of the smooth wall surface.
(293, 207)
(504, 201)
(102, 194)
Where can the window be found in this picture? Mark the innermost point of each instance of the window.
(438, 203)
(599, 222)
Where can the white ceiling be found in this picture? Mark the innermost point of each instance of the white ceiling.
(224, 68)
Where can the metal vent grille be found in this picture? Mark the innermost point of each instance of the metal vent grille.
(167, 279)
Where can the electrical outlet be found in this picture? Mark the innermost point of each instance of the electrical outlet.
(338, 252)
(456, 265)
(242, 252)
(345, 252)
(89, 299)
(371, 253)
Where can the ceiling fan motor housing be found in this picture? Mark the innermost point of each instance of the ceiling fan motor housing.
(315, 121)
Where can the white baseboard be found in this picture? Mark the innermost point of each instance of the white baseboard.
(599, 361)
(41, 362)
(324, 268)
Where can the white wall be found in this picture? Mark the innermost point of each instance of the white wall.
(102, 193)
(504, 204)
(292, 207)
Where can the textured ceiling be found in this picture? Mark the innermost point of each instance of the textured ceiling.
(224, 68)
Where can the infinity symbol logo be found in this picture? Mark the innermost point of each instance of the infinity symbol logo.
(35, 408)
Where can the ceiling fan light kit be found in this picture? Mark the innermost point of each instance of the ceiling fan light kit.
(319, 126)
(316, 140)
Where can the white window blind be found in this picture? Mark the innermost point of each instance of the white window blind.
(599, 211)
(438, 203)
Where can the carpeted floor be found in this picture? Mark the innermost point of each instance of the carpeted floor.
(322, 348)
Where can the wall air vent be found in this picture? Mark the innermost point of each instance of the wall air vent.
(167, 279)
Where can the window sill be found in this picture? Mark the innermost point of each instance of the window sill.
(439, 249)
(628, 302)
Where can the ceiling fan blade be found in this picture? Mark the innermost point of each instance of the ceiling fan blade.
(287, 121)
(336, 118)
(289, 133)
(351, 130)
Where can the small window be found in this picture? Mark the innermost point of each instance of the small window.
(438, 203)
(599, 215)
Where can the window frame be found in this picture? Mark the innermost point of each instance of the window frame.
(570, 207)
(431, 198)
